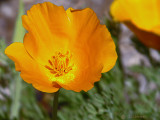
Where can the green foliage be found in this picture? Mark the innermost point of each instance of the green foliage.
(16, 92)
(19, 31)
(5, 75)
(110, 103)
(30, 109)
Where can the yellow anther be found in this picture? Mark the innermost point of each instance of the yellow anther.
(59, 64)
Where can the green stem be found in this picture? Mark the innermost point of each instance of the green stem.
(16, 98)
(55, 105)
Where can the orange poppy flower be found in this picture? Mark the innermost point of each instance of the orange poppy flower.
(62, 49)
(142, 17)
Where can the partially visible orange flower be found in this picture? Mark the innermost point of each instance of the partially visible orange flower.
(142, 17)
(62, 49)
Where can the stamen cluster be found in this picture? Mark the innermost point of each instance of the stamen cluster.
(59, 64)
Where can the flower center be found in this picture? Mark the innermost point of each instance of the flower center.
(59, 64)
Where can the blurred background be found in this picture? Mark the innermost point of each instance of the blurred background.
(131, 90)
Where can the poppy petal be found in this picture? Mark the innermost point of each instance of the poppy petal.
(47, 26)
(107, 48)
(138, 12)
(93, 49)
(45, 88)
(31, 71)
